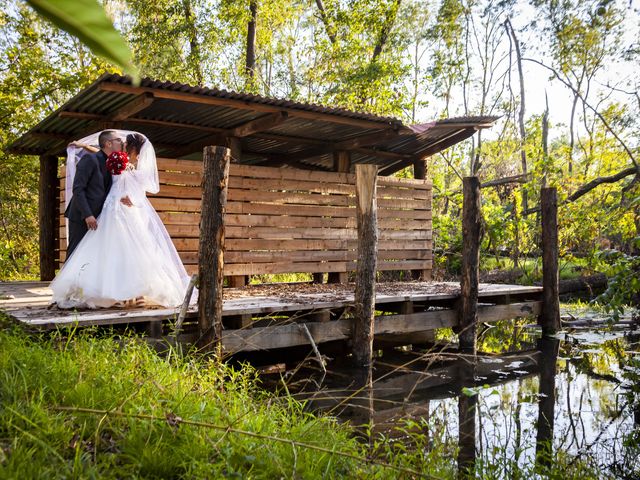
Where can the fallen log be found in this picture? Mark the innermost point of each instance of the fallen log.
(588, 283)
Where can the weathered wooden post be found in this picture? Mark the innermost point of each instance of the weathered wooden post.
(420, 173)
(235, 147)
(471, 237)
(215, 179)
(550, 317)
(47, 214)
(365, 294)
(342, 164)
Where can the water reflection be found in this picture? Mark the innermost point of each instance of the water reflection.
(549, 348)
(517, 409)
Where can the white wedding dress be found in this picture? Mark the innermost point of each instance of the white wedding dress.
(130, 255)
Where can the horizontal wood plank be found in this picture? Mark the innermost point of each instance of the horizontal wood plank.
(283, 336)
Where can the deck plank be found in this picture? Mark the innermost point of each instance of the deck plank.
(27, 301)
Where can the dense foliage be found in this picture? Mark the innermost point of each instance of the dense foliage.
(412, 59)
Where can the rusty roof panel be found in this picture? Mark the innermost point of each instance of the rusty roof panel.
(196, 122)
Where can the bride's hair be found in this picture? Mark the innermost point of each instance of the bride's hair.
(134, 143)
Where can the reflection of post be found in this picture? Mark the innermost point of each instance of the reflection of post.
(546, 399)
(467, 405)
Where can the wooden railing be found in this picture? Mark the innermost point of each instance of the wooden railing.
(282, 220)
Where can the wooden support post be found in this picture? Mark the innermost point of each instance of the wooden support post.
(341, 163)
(238, 322)
(47, 215)
(235, 147)
(550, 317)
(215, 180)
(365, 294)
(420, 173)
(154, 329)
(420, 169)
(471, 237)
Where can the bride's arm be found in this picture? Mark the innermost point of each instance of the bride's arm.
(89, 148)
(131, 192)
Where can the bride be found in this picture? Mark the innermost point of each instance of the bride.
(129, 257)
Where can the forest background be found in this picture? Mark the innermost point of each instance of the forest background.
(562, 75)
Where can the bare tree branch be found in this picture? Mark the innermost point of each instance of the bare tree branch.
(523, 154)
(587, 187)
(325, 19)
(387, 26)
(596, 112)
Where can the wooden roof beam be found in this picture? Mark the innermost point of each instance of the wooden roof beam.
(129, 109)
(244, 105)
(258, 125)
(264, 135)
(358, 142)
(105, 121)
(442, 144)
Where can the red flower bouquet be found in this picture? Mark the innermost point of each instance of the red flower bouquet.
(117, 162)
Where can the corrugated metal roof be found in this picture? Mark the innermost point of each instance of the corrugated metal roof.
(180, 119)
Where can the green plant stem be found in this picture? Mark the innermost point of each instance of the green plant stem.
(229, 429)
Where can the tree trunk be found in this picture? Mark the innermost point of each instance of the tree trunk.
(47, 215)
(365, 294)
(387, 26)
(250, 65)
(194, 47)
(521, 112)
(211, 251)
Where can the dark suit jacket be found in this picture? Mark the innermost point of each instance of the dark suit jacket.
(91, 185)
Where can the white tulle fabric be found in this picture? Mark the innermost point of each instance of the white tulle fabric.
(147, 167)
(130, 255)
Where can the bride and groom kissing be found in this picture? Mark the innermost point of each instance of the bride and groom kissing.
(119, 252)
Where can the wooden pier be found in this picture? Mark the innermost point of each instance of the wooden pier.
(267, 317)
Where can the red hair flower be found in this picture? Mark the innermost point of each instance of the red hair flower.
(117, 162)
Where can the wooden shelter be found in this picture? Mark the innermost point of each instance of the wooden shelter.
(253, 185)
(291, 203)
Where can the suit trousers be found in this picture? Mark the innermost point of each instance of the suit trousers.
(77, 231)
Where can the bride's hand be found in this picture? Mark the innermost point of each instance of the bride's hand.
(126, 201)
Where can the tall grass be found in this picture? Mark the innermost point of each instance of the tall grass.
(45, 382)
(91, 405)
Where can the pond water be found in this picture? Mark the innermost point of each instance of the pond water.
(578, 392)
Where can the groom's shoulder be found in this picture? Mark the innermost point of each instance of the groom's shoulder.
(89, 158)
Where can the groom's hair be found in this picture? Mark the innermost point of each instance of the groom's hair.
(104, 137)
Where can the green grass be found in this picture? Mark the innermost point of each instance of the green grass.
(44, 382)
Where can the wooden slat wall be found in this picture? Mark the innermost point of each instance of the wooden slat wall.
(290, 221)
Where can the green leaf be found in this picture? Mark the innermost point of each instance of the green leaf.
(469, 392)
(87, 20)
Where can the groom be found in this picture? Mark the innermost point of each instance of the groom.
(91, 185)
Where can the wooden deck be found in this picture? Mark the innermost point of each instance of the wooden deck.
(264, 317)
